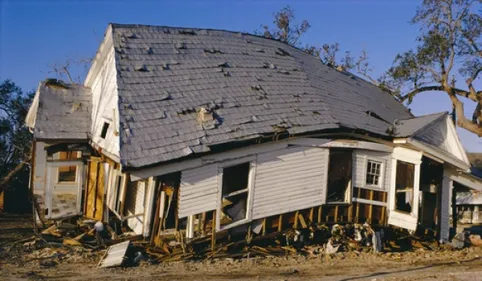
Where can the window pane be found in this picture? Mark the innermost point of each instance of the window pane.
(234, 207)
(404, 186)
(67, 173)
(373, 172)
(235, 178)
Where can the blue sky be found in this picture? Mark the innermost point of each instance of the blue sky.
(36, 34)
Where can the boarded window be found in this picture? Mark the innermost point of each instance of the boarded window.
(374, 169)
(67, 173)
(235, 193)
(404, 186)
(339, 176)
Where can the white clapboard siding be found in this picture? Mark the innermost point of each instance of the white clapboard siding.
(360, 158)
(289, 179)
(199, 190)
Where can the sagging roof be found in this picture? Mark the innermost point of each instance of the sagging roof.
(246, 86)
(60, 111)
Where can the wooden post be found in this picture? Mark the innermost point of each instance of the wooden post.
(350, 212)
(213, 232)
(384, 209)
(357, 212)
(370, 208)
(203, 224)
(336, 214)
(295, 224)
(311, 215)
(320, 209)
(264, 227)
(280, 223)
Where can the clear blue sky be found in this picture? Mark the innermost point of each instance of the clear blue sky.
(36, 34)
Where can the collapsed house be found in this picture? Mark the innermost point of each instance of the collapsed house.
(196, 132)
(468, 202)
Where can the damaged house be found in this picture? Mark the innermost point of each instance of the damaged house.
(201, 132)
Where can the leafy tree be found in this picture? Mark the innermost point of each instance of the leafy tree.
(15, 139)
(449, 46)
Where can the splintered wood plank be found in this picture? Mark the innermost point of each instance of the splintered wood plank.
(336, 214)
(311, 215)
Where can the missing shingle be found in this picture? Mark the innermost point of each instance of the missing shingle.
(283, 71)
(259, 50)
(141, 68)
(282, 52)
(180, 46)
(376, 116)
(165, 66)
(187, 32)
(269, 65)
(213, 51)
(223, 64)
(132, 36)
(150, 51)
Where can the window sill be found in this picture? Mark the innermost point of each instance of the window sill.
(234, 224)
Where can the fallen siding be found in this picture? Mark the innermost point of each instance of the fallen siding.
(199, 190)
(289, 179)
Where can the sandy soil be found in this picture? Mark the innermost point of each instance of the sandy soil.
(22, 262)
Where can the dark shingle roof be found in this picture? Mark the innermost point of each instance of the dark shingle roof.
(254, 86)
(409, 127)
(63, 111)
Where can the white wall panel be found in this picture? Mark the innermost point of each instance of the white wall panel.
(289, 179)
(199, 190)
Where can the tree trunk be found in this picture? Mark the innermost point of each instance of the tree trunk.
(9, 176)
(461, 120)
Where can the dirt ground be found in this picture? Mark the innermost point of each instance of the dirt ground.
(20, 261)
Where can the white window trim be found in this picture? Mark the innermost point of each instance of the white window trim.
(67, 163)
(381, 179)
(251, 178)
(112, 188)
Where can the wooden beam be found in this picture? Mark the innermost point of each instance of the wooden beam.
(280, 223)
(295, 224)
(311, 215)
(203, 224)
(264, 227)
(213, 232)
(320, 212)
(336, 214)
(302, 221)
(370, 208)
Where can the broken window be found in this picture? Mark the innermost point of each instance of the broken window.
(235, 193)
(339, 176)
(374, 170)
(404, 186)
(67, 173)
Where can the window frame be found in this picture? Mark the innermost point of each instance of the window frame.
(251, 175)
(115, 178)
(405, 190)
(381, 176)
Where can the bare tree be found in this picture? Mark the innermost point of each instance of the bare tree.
(449, 46)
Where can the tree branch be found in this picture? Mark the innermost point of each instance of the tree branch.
(413, 93)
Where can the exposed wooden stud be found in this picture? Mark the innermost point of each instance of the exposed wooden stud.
(311, 215)
(370, 208)
(264, 227)
(213, 232)
(320, 212)
(155, 228)
(280, 223)
(203, 224)
(384, 209)
(295, 224)
(350, 213)
(336, 214)
(302, 221)
(357, 211)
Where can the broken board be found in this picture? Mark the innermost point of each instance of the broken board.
(115, 255)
